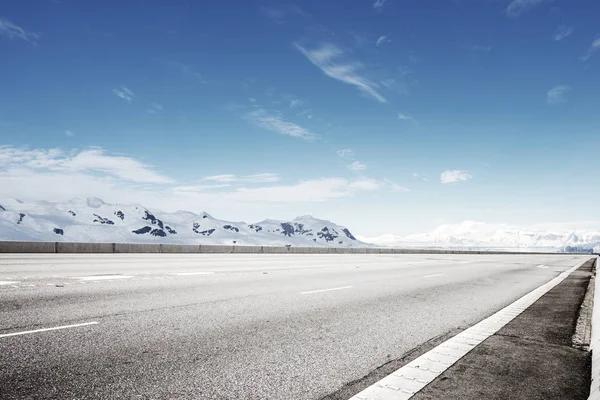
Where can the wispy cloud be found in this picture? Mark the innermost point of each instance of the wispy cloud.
(394, 187)
(480, 48)
(69, 133)
(273, 121)
(94, 160)
(406, 117)
(154, 108)
(345, 153)
(378, 4)
(562, 32)
(382, 39)
(274, 14)
(283, 14)
(557, 94)
(592, 50)
(327, 59)
(190, 72)
(357, 166)
(294, 102)
(13, 31)
(255, 178)
(124, 93)
(518, 7)
(452, 176)
(422, 177)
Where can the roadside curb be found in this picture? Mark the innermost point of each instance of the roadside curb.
(595, 343)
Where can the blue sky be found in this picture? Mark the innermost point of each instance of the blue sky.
(388, 116)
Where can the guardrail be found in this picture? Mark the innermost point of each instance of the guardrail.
(75, 247)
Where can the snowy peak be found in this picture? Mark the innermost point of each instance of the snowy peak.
(93, 220)
(470, 234)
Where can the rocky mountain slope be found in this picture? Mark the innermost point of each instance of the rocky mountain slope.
(93, 220)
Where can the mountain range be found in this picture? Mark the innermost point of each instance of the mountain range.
(93, 220)
(482, 236)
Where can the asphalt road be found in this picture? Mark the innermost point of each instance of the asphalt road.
(234, 326)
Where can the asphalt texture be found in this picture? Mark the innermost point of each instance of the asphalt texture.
(233, 326)
(531, 358)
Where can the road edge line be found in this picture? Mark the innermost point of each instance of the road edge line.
(595, 342)
(408, 380)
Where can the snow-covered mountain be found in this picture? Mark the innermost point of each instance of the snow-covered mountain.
(479, 235)
(92, 220)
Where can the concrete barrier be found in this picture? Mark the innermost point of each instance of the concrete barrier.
(247, 249)
(303, 250)
(74, 247)
(179, 248)
(27, 247)
(137, 248)
(359, 250)
(340, 250)
(275, 249)
(67, 247)
(219, 249)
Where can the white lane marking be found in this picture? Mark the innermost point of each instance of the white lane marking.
(542, 266)
(47, 329)
(193, 273)
(414, 376)
(432, 276)
(103, 277)
(8, 282)
(326, 290)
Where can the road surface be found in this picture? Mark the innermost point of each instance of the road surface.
(234, 326)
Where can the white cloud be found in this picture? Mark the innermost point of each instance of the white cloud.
(12, 31)
(378, 4)
(199, 188)
(92, 160)
(309, 191)
(296, 103)
(69, 133)
(274, 14)
(59, 175)
(189, 71)
(562, 32)
(327, 59)
(557, 94)
(255, 178)
(394, 187)
(357, 166)
(422, 177)
(124, 93)
(154, 108)
(406, 117)
(592, 50)
(273, 121)
(518, 7)
(452, 176)
(345, 153)
(382, 39)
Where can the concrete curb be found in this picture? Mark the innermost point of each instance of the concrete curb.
(67, 247)
(595, 343)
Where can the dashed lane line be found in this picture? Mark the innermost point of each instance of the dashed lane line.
(103, 277)
(327, 290)
(47, 329)
(432, 276)
(193, 273)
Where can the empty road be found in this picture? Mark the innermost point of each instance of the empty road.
(235, 326)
